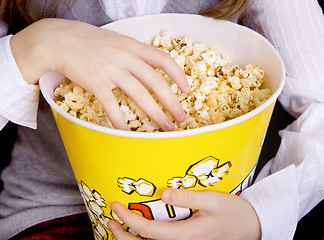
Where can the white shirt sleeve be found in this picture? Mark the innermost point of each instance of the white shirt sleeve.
(19, 100)
(292, 183)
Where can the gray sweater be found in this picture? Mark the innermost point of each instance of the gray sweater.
(39, 184)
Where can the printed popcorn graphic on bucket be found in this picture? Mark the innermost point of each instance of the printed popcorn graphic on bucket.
(158, 210)
(206, 172)
(141, 186)
(95, 205)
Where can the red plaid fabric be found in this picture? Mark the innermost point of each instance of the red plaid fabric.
(71, 227)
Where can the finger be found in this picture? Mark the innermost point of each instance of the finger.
(164, 61)
(100, 86)
(111, 107)
(154, 81)
(138, 93)
(159, 59)
(204, 201)
(119, 232)
(153, 228)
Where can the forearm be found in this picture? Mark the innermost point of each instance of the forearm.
(35, 48)
(19, 100)
(303, 147)
(292, 183)
(20, 61)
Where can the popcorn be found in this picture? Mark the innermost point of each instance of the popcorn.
(220, 91)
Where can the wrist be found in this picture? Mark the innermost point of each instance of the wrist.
(30, 51)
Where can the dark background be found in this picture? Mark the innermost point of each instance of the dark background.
(310, 227)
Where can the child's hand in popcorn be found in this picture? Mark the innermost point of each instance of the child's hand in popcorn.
(219, 216)
(100, 60)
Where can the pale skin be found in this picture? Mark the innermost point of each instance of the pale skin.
(100, 60)
(220, 216)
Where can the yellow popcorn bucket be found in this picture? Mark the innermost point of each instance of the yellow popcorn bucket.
(134, 167)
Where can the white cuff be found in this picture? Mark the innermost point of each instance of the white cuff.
(275, 200)
(19, 100)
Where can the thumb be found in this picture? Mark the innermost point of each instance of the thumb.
(203, 201)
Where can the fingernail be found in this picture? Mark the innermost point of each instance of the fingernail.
(108, 224)
(187, 88)
(168, 195)
(181, 116)
(168, 125)
(113, 207)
